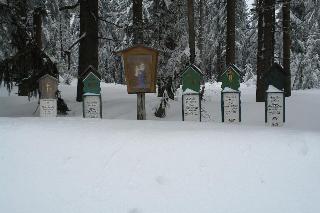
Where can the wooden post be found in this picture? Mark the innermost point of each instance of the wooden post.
(141, 106)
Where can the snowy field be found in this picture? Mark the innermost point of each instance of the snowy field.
(119, 165)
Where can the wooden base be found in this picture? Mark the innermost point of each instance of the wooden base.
(141, 106)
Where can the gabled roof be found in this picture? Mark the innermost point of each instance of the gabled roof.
(234, 68)
(48, 76)
(89, 70)
(194, 67)
(136, 47)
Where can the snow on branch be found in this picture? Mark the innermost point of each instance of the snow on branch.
(68, 52)
(109, 22)
(70, 7)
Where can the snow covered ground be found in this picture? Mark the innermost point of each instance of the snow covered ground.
(119, 165)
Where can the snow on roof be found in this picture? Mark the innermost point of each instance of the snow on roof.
(234, 68)
(190, 91)
(91, 94)
(136, 46)
(227, 89)
(92, 74)
(92, 70)
(49, 76)
(273, 89)
(194, 67)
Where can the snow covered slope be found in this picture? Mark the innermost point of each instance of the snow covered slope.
(119, 165)
(302, 108)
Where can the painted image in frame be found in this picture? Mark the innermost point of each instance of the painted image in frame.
(139, 76)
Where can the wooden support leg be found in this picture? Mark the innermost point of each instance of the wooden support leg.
(141, 106)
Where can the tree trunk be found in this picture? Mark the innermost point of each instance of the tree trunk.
(201, 31)
(88, 50)
(137, 22)
(267, 49)
(192, 33)
(260, 66)
(219, 63)
(268, 40)
(286, 45)
(37, 24)
(230, 55)
(20, 35)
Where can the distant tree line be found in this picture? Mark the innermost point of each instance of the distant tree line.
(72, 34)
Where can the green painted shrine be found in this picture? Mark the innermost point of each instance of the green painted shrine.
(191, 78)
(91, 81)
(231, 78)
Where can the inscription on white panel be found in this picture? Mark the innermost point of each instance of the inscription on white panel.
(231, 107)
(48, 107)
(275, 109)
(92, 106)
(191, 110)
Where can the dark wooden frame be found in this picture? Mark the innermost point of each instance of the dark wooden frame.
(40, 82)
(222, 105)
(266, 106)
(83, 96)
(196, 94)
(140, 50)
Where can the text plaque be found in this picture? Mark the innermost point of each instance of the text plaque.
(92, 106)
(275, 109)
(231, 107)
(48, 107)
(191, 107)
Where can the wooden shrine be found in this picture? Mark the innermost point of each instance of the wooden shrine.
(91, 81)
(140, 65)
(276, 81)
(230, 95)
(191, 102)
(191, 78)
(92, 103)
(48, 87)
(276, 77)
(231, 78)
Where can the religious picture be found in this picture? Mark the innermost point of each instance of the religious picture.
(139, 72)
(230, 75)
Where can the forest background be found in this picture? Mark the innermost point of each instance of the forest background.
(165, 27)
